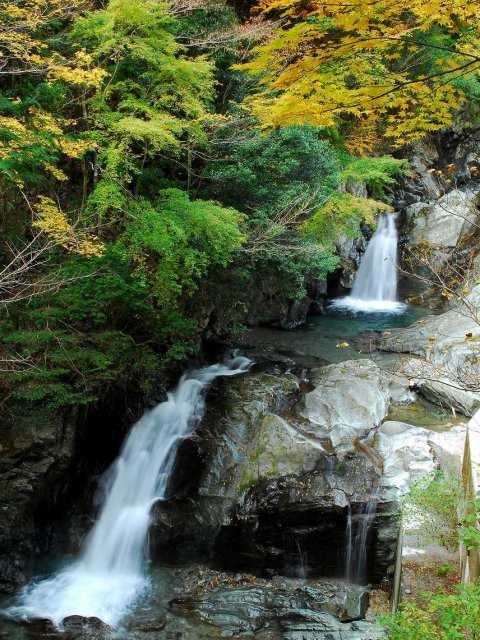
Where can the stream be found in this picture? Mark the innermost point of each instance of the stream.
(110, 577)
(111, 590)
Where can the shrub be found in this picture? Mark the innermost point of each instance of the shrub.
(432, 504)
(439, 616)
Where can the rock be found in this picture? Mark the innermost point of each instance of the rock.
(443, 223)
(410, 452)
(296, 525)
(438, 385)
(425, 156)
(227, 465)
(350, 251)
(348, 401)
(448, 447)
(43, 627)
(85, 628)
(281, 450)
(272, 496)
(314, 610)
(407, 456)
(234, 446)
(448, 344)
(36, 450)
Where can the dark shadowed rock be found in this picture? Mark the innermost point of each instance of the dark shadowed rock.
(86, 628)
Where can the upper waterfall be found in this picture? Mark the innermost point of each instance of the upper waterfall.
(375, 285)
(110, 574)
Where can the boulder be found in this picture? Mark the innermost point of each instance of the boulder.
(406, 454)
(85, 628)
(440, 385)
(443, 223)
(348, 401)
(273, 494)
(448, 447)
(448, 371)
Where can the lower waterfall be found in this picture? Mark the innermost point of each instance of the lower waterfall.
(375, 285)
(356, 544)
(110, 575)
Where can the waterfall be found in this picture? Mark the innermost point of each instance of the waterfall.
(366, 521)
(356, 549)
(375, 285)
(348, 544)
(302, 561)
(111, 573)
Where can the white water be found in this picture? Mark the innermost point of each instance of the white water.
(111, 573)
(356, 545)
(348, 544)
(375, 285)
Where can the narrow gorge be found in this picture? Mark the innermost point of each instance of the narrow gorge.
(274, 508)
(239, 320)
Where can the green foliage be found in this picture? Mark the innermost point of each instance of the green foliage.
(469, 532)
(377, 173)
(276, 179)
(343, 213)
(445, 570)
(432, 503)
(173, 244)
(122, 313)
(264, 174)
(153, 101)
(439, 616)
(123, 133)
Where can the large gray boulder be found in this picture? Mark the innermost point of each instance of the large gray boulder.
(406, 453)
(443, 223)
(442, 384)
(348, 401)
(448, 345)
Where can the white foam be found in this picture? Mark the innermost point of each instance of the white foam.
(78, 591)
(357, 305)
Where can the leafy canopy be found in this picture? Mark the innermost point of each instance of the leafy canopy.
(394, 69)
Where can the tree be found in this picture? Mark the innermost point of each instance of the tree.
(397, 70)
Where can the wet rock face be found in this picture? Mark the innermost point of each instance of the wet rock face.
(350, 251)
(286, 611)
(298, 526)
(35, 453)
(276, 488)
(73, 628)
(85, 628)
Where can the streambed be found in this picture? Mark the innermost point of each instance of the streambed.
(330, 338)
(219, 610)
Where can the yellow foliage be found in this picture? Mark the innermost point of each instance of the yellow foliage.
(55, 224)
(23, 44)
(370, 62)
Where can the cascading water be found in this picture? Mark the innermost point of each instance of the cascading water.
(375, 285)
(356, 555)
(366, 521)
(110, 575)
(348, 544)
